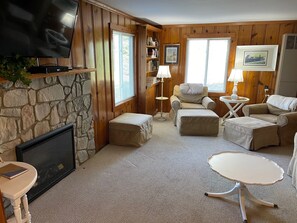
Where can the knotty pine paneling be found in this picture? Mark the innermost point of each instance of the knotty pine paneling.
(249, 33)
(91, 49)
(100, 32)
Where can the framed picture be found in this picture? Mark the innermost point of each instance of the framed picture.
(171, 53)
(256, 58)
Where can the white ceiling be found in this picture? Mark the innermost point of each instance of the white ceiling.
(165, 12)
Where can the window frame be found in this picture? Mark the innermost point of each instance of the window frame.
(122, 29)
(231, 56)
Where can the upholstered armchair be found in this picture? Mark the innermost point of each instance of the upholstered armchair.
(279, 110)
(190, 96)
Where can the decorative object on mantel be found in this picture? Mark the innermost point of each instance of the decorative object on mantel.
(15, 68)
(256, 57)
(235, 76)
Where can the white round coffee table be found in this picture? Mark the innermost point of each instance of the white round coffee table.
(245, 169)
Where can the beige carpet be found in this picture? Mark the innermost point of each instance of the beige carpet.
(161, 182)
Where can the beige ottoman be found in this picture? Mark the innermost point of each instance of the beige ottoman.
(197, 122)
(130, 129)
(251, 133)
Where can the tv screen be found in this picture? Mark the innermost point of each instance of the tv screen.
(37, 28)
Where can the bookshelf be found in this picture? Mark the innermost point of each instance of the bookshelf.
(149, 54)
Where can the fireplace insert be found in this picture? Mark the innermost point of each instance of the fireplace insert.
(53, 156)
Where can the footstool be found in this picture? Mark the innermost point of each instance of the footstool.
(130, 129)
(197, 122)
(251, 133)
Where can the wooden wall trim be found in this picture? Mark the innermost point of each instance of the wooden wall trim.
(230, 23)
(116, 11)
(124, 29)
(247, 33)
(211, 35)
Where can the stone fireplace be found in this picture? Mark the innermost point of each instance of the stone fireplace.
(27, 112)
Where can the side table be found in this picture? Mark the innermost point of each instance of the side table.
(162, 99)
(239, 103)
(15, 190)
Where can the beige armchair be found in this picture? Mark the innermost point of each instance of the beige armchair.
(181, 100)
(279, 110)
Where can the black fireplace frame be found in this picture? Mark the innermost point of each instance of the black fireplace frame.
(43, 139)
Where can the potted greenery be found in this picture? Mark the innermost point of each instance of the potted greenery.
(15, 68)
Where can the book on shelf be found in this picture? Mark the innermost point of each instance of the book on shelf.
(11, 170)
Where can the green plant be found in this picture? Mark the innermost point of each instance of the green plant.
(15, 68)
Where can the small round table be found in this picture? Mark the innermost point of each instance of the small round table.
(15, 190)
(162, 99)
(233, 109)
(245, 169)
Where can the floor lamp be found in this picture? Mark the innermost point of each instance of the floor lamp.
(163, 72)
(235, 76)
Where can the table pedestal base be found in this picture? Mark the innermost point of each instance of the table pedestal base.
(242, 191)
(161, 118)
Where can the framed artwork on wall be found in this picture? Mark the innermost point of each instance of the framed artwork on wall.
(256, 57)
(171, 53)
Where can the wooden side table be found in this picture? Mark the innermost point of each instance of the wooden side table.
(241, 101)
(162, 99)
(15, 190)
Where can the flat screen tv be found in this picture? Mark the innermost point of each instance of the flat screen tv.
(37, 28)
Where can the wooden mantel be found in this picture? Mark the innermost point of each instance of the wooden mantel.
(70, 72)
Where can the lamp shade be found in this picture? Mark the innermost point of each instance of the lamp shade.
(236, 76)
(163, 72)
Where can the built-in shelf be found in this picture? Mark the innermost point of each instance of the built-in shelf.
(152, 58)
(150, 73)
(152, 47)
(70, 72)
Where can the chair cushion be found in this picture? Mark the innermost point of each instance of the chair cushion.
(284, 103)
(190, 98)
(191, 88)
(275, 110)
(266, 117)
(185, 105)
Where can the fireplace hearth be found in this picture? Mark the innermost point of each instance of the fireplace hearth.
(53, 156)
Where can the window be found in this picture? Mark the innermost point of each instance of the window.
(123, 66)
(207, 62)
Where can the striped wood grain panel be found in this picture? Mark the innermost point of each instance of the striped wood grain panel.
(248, 33)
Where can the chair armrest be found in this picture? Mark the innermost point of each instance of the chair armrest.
(289, 118)
(255, 109)
(287, 123)
(175, 103)
(208, 103)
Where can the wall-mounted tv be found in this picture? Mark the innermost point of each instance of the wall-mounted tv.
(37, 28)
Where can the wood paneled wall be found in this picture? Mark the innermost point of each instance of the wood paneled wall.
(91, 49)
(250, 33)
(95, 22)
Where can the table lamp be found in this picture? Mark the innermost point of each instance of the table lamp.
(163, 72)
(235, 76)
